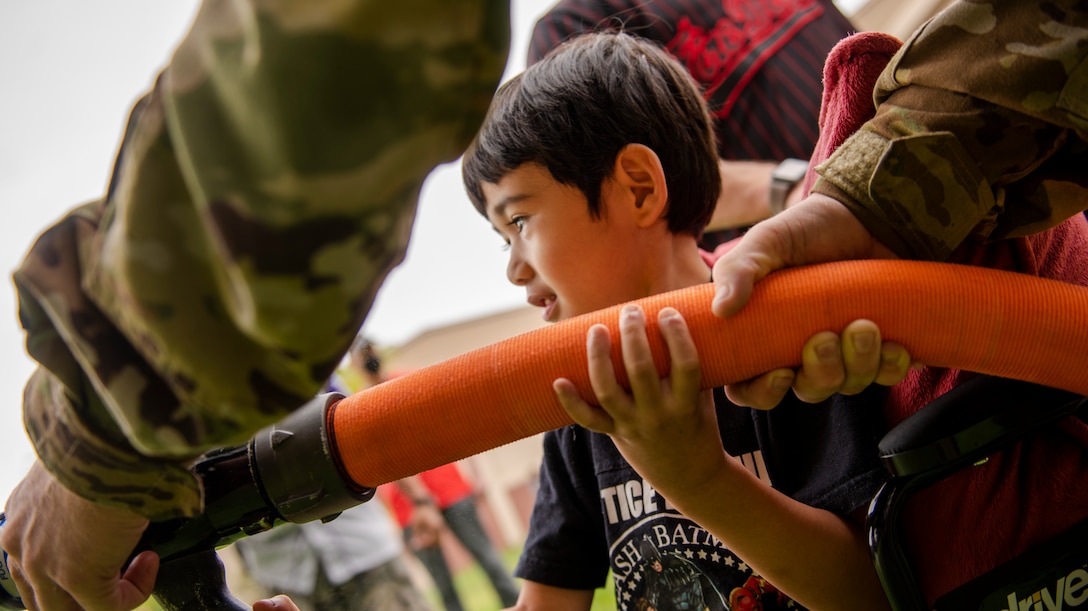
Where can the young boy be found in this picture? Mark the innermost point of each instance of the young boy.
(598, 168)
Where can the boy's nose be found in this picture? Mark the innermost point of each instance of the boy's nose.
(518, 272)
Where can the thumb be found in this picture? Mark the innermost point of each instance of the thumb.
(758, 253)
(818, 229)
(138, 580)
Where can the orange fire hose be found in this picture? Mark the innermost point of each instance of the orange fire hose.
(982, 320)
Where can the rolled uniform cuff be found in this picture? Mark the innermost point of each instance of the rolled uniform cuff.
(920, 195)
(102, 470)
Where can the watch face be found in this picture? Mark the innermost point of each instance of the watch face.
(790, 170)
(784, 178)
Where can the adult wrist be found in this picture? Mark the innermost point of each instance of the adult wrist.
(784, 178)
(862, 167)
(421, 501)
(86, 462)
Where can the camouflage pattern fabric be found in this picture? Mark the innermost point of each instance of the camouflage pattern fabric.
(981, 130)
(264, 188)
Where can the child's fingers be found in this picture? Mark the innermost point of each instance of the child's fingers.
(638, 361)
(591, 417)
(602, 375)
(685, 370)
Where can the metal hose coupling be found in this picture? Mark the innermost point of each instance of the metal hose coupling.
(298, 466)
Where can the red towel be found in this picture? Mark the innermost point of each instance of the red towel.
(850, 73)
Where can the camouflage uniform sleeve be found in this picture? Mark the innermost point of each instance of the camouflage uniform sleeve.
(264, 188)
(980, 131)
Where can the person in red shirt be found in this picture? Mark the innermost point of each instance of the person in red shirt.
(444, 492)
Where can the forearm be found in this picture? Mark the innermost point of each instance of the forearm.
(261, 195)
(977, 150)
(744, 199)
(924, 178)
(283, 194)
(815, 557)
(539, 597)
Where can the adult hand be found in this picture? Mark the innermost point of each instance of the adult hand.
(66, 552)
(831, 364)
(818, 229)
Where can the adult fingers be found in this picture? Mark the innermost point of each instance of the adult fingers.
(895, 364)
(861, 355)
(41, 593)
(762, 392)
(138, 580)
(868, 360)
(70, 551)
(822, 369)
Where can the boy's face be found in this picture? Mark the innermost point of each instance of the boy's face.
(568, 262)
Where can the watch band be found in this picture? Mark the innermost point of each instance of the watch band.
(783, 179)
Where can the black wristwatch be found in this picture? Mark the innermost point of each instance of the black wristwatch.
(784, 178)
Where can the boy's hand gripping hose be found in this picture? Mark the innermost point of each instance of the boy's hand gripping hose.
(330, 455)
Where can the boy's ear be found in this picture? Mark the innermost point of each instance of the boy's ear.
(641, 183)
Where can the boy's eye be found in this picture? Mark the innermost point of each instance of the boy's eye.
(518, 222)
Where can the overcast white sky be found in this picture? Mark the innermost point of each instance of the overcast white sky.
(69, 73)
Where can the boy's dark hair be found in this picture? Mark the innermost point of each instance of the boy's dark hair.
(577, 108)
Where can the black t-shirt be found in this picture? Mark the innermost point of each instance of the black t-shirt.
(593, 512)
